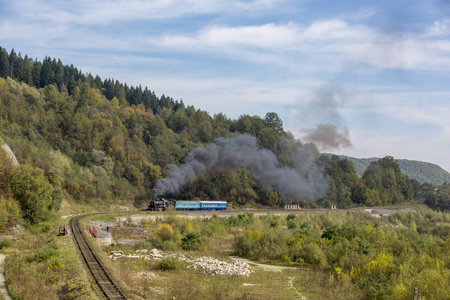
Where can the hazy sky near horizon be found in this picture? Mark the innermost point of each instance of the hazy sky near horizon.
(372, 77)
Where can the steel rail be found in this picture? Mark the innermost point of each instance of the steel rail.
(101, 276)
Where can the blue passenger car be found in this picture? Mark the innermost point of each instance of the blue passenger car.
(187, 205)
(217, 205)
(199, 205)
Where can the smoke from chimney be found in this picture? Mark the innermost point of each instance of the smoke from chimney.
(328, 136)
(330, 133)
(243, 151)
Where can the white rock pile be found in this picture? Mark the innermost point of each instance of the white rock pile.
(147, 275)
(154, 254)
(204, 264)
(116, 254)
(147, 255)
(216, 267)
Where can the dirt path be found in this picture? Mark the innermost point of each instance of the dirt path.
(272, 269)
(265, 267)
(291, 285)
(3, 290)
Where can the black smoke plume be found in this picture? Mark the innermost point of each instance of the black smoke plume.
(328, 136)
(324, 105)
(243, 151)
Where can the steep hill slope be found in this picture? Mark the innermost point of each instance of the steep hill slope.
(88, 140)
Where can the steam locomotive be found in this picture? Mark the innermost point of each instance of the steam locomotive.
(158, 205)
(163, 204)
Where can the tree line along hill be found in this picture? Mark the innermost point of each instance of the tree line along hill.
(423, 172)
(83, 139)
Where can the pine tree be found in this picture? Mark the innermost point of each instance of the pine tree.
(146, 99)
(25, 70)
(71, 85)
(47, 73)
(137, 95)
(98, 83)
(14, 65)
(108, 89)
(4, 63)
(90, 80)
(36, 73)
(119, 91)
(154, 102)
(131, 96)
(59, 74)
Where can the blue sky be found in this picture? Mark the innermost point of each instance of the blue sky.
(378, 71)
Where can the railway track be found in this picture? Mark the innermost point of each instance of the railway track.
(104, 281)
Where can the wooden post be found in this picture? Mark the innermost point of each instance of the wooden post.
(416, 294)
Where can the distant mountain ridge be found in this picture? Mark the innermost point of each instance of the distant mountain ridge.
(423, 172)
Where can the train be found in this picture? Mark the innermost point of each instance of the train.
(158, 205)
(163, 204)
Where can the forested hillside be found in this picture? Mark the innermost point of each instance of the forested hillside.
(83, 139)
(423, 172)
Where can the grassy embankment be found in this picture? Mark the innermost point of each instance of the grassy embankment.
(322, 265)
(333, 254)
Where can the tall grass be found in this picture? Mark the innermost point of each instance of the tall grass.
(4, 243)
(41, 265)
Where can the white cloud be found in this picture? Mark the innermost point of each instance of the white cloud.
(291, 36)
(107, 11)
(270, 62)
(320, 40)
(392, 52)
(322, 44)
(364, 13)
(429, 113)
(224, 38)
(370, 143)
(336, 30)
(439, 28)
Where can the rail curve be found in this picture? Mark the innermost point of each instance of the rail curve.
(102, 278)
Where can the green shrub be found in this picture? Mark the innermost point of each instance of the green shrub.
(44, 253)
(5, 243)
(291, 224)
(45, 228)
(214, 227)
(242, 246)
(191, 241)
(291, 217)
(313, 254)
(170, 245)
(332, 233)
(35, 194)
(170, 263)
(142, 245)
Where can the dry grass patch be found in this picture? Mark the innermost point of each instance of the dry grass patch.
(41, 265)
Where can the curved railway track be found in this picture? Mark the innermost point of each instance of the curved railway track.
(104, 281)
